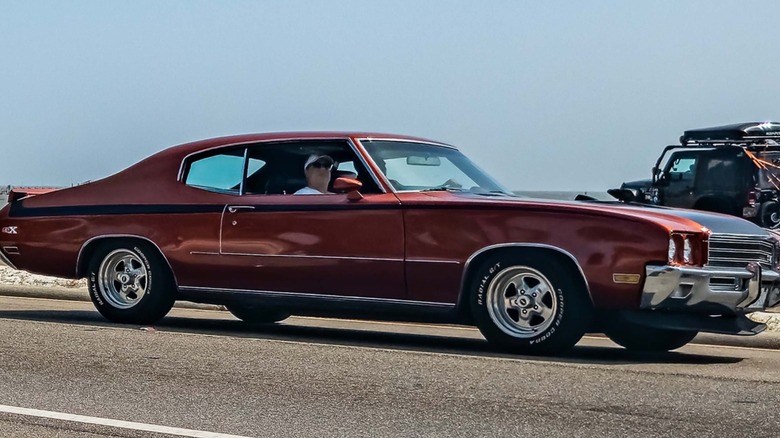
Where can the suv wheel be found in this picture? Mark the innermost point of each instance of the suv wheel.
(769, 214)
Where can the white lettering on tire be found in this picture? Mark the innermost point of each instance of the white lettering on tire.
(484, 281)
(557, 323)
(148, 269)
(94, 289)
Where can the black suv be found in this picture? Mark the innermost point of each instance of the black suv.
(733, 169)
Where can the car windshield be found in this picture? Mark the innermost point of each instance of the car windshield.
(412, 166)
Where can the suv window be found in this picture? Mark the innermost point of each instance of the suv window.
(768, 175)
(722, 172)
(683, 169)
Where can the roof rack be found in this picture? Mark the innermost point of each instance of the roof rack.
(740, 134)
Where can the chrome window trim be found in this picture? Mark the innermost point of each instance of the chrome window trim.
(362, 159)
(395, 139)
(352, 145)
(131, 236)
(180, 177)
(324, 297)
(520, 245)
(406, 140)
(5, 260)
(244, 169)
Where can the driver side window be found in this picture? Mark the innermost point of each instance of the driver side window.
(683, 169)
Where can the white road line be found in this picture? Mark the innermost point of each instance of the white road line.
(115, 423)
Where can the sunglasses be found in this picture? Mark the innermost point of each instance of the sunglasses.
(321, 165)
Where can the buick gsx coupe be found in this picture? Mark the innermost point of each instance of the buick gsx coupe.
(408, 229)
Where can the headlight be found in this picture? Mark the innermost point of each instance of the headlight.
(672, 251)
(688, 251)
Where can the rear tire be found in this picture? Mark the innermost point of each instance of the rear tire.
(649, 339)
(530, 303)
(130, 283)
(255, 314)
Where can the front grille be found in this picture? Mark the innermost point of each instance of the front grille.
(728, 251)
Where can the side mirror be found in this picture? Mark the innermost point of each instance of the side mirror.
(350, 186)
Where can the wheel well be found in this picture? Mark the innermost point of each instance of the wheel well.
(92, 245)
(463, 306)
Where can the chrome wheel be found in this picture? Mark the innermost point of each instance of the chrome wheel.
(122, 278)
(521, 301)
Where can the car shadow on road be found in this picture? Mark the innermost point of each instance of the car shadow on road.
(416, 342)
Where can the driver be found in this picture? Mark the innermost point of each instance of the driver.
(317, 170)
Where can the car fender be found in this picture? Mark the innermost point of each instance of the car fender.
(479, 255)
(81, 261)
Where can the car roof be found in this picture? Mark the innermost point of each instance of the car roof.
(200, 145)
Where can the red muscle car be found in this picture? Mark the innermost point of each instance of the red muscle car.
(409, 229)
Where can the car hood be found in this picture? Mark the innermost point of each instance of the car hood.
(672, 219)
(716, 222)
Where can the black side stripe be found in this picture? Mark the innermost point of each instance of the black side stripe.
(19, 211)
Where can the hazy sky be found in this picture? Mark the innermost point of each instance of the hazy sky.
(544, 95)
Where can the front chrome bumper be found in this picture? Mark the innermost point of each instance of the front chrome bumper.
(710, 289)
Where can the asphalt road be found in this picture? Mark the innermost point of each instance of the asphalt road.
(201, 372)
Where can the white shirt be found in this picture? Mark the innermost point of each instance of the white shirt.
(308, 191)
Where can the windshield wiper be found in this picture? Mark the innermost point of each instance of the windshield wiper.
(497, 193)
(444, 189)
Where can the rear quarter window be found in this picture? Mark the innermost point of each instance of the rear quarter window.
(221, 172)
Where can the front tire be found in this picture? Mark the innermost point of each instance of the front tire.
(130, 283)
(530, 303)
(636, 337)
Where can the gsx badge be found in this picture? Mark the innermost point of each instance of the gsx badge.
(9, 230)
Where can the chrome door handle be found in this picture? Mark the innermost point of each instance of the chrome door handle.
(235, 208)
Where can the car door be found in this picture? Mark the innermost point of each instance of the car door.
(313, 244)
